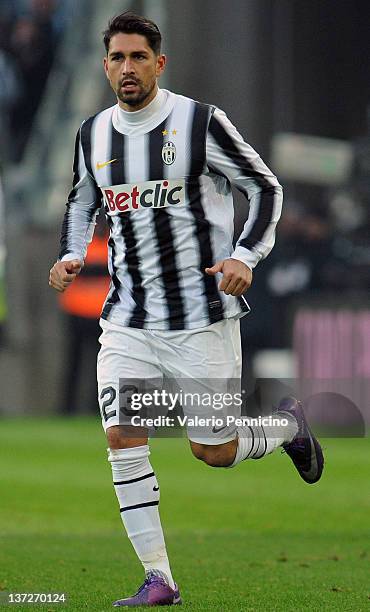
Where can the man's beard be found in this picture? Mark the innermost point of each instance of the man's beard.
(137, 99)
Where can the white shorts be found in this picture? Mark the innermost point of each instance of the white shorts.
(201, 364)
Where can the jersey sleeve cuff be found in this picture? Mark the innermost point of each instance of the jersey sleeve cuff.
(70, 256)
(248, 257)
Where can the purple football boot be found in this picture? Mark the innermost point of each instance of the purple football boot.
(304, 450)
(154, 592)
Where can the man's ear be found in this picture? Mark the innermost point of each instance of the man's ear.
(161, 64)
(105, 65)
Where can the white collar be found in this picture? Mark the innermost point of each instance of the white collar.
(124, 120)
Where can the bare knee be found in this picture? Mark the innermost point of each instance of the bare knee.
(220, 455)
(120, 436)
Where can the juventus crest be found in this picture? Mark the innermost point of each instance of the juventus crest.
(168, 153)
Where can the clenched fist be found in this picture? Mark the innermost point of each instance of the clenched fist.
(63, 273)
(236, 279)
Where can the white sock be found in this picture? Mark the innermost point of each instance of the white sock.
(137, 491)
(257, 441)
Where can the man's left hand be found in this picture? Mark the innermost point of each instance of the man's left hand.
(236, 279)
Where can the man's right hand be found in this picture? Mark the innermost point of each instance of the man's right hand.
(63, 273)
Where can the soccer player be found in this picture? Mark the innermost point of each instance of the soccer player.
(163, 164)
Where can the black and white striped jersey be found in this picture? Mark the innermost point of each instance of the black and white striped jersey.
(164, 175)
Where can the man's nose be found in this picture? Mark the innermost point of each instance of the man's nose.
(127, 66)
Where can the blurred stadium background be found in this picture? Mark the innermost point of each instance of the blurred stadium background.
(293, 76)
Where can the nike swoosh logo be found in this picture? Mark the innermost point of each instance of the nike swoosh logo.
(101, 165)
(155, 488)
(217, 429)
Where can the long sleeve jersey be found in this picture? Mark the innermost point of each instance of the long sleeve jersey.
(164, 176)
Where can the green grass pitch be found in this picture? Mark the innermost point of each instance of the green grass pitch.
(255, 538)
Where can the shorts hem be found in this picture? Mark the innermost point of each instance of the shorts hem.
(212, 441)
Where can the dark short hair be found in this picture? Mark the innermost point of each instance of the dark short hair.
(129, 23)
